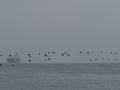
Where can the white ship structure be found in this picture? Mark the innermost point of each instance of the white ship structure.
(15, 59)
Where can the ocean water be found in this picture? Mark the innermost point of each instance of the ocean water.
(60, 77)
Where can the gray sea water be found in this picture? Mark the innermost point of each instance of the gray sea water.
(60, 77)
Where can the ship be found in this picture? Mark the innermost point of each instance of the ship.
(15, 59)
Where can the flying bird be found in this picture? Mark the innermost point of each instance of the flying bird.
(49, 59)
(45, 59)
(12, 65)
(62, 54)
(29, 60)
(96, 59)
(101, 51)
(115, 53)
(45, 55)
(29, 55)
(53, 52)
(1, 55)
(111, 52)
(103, 58)
(116, 59)
(88, 52)
(65, 53)
(48, 52)
(90, 60)
(68, 54)
(80, 52)
(10, 55)
(1, 64)
(92, 52)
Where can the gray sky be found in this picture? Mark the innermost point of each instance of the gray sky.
(63, 24)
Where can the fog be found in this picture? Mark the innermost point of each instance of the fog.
(59, 24)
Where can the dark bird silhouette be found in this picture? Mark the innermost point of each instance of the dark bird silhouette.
(49, 59)
(92, 52)
(29, 60)
(80, 52)
(53, 52)
(68, 54)
(1, 64)
(48, 52)
(38, 53)
(12, 65)
(62, 54)
(103, 58)
(1, 55)
(45, 59)
(116, 59)
(45, 55)
(65, 53)
(29, 55)
(90, 60)
(115, 53)
(10, 55)
(88, 52)
(101, 51)
(111, 52)
(96, 59)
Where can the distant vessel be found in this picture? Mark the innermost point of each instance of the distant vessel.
(14, 59)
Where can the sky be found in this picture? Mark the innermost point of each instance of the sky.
(59, 24)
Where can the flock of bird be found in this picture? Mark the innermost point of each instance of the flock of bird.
(48, 54)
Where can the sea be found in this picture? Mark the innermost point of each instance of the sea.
(60, 76)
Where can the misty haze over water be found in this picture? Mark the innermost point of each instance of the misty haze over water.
(62, 44)
(64, 24)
